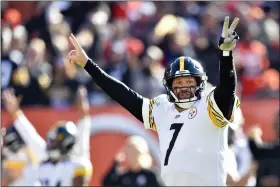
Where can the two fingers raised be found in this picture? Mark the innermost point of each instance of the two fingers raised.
(228, 31)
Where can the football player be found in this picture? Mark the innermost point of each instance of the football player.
(18, 161)
(68, 162)
(192, 123)
(61, 168)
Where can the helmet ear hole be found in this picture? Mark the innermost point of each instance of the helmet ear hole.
(169, 83)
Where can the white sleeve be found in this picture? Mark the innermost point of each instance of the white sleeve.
(147, 113)
(30, 136)
(81, 147)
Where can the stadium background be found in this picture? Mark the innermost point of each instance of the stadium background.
(132, 41)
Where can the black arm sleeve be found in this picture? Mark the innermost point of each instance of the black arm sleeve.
(224, 93)
(117, 90)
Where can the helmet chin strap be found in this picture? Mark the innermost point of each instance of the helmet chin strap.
(184, 103)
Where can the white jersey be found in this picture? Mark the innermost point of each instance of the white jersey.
(193, 141)
(63, 172)
(28, 177)
(231, 165)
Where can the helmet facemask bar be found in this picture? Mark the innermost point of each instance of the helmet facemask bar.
(53, 150)
(185, 103)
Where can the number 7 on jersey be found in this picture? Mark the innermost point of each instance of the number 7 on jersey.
(176, 127)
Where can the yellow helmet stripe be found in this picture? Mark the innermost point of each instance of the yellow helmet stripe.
(182, 64)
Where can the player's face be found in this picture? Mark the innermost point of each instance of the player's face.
(184, 87)
(52, 149)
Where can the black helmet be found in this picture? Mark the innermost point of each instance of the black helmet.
(12, 140)
(61, 139)
(181, 67)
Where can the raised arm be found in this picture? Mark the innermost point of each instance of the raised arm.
(82, 145)
(117, 90)
(26, 130)
(224, 93)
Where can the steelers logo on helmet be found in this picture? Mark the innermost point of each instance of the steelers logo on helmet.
(185, 67)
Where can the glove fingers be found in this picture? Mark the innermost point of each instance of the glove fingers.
(234, 42)
(233, 25)
(231, 38)
(225, 27)
(226, 40)
(234, 36)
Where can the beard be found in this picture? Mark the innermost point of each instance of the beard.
(184, 94)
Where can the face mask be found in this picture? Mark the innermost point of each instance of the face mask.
(184, 103)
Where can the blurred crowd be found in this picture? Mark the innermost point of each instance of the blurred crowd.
(132, 41)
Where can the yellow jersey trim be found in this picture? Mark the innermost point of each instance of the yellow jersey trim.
(151, 117)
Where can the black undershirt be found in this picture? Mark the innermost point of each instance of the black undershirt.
(224, 93)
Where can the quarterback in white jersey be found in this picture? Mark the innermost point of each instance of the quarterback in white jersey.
(192, 123)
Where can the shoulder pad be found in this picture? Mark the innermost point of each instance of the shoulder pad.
(83, 168)
(209, 90)
(160, 99)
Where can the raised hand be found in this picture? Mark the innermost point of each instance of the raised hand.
(82, 100)
(255, 133)
(11, 102)
(78, 55)
(229, 37)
